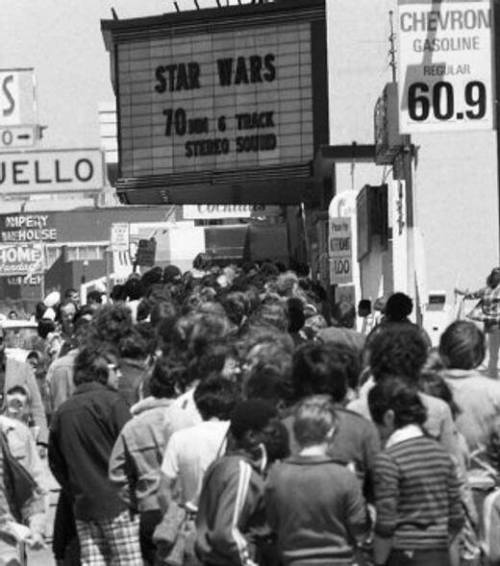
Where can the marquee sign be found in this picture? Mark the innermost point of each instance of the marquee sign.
(227, 97)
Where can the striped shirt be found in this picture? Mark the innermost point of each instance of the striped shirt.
(417, 495)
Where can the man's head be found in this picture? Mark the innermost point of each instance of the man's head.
(398, 352)
(97, 363)
(314, 422)
(257, 430)
(344, 314)
(215, 398)
(398, 307)
(17, 402)
(94, 299)
(462, 345)
(393, 404)
(319, 369)
(71, 296)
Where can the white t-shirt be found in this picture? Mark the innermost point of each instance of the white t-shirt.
(190, 452)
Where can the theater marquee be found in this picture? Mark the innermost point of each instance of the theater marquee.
(226, 96)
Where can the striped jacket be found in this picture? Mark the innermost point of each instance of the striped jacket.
(417, 495)
(231, 518)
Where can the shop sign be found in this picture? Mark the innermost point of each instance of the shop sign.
(17, 97)
(23, 228)
(217, 100)
(340, 250)
(221, 211)
(51, 171)
(21, 260)
(388, 142)
(146, 252)
(119, 238)
(445, 66)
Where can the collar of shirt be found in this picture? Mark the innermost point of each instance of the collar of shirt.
(407, 432)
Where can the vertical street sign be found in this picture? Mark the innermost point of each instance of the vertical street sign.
(445, 65)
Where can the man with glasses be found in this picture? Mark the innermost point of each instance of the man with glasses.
(83, 432)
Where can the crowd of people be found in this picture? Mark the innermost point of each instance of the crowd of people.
(230, 416)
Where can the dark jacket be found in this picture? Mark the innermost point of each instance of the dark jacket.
(317, 510)
(83, 432)
(231, 520)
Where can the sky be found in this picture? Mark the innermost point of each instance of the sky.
(62, 41)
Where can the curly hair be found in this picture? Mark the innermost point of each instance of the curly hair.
(396, 395)
(398, 351)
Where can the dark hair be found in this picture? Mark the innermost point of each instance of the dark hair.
(69, 292)
(493, 278)
(215, 397)
(118, 293)
(91, 364)
(133, 346)
(134, 289)
(398, 307)
(398, 396)
(397, 351)
(168, 374)
(268, 382)
(254, 414)
(144, 308)
(18, 389)
(111, 323)
(236, 305)
(462, 345)
(319, 369)
(45, 327)
(95, 296)
(296, 317)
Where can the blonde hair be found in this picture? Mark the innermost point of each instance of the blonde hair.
(314, 420)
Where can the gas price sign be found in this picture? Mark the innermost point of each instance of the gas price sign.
(445, 68)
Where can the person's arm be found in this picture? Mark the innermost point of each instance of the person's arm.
(456, 517)
(119, 470)
(234, 506)
(355, 512)
(386, 501)
(471, 295)
(371, 449)
(61, 385)
(57, 462)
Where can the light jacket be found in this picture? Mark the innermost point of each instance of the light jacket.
(135, 462)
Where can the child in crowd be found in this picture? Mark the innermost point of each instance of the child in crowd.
(417, 496)
(315, 505)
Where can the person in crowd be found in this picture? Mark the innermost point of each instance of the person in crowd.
(231, 526)
(397, 311)
(13, 373)
(94, 299)
(190, 451)
(38, 364)
(20, 522)
(313, 504)
(134, 366)
(417, 496)
(135, 462)
(59, 376)
(72, 296)
(462, 350)
(343, 332)
(322, 369)
(489, 314)
(402, 351)
(83, 432)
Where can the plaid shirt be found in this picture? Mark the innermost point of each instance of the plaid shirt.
(490, 304)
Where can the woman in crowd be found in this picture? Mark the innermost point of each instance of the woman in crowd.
(489, 313)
